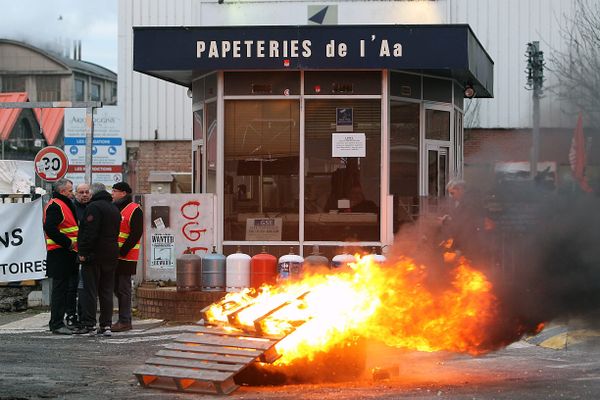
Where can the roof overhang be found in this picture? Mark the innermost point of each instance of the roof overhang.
(178, 54)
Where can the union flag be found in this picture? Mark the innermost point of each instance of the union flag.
(577, 156)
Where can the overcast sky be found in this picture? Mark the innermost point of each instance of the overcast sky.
(48, 23)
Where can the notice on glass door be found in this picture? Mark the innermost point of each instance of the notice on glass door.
(348, 145)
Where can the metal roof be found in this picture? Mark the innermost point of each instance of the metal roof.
(80, 66)
(8, 116)
(49, 119)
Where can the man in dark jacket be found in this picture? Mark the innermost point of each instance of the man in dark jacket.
(98, 254)
(60, 228)
(82, 198)
(132, 227)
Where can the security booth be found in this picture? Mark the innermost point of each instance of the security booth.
(320, 135)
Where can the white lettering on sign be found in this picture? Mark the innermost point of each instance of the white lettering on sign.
(291, 48)
(256, 48)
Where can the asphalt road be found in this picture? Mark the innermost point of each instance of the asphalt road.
(36, 364)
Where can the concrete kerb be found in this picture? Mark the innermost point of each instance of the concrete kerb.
(567, 335)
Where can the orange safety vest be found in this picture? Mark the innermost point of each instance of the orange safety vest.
(124, 231)
(68, 225)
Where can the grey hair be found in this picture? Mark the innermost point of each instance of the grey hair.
(97, 187)
(60, 184)
(455, 182)
(81, 184)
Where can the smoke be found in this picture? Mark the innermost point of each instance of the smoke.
(541, 252)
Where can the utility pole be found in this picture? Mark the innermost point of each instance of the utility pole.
(535, 82)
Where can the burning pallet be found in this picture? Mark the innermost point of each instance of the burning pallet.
(207, 358)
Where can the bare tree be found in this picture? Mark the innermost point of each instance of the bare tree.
(577, 68)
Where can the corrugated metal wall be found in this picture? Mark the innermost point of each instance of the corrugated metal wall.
(504, 27)
(154, 109)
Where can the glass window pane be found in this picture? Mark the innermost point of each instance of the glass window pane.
(12, 84)
(79, 90)
(458, 96)
(198, 125)
(437, 125)
(404, 161)
(262, 83)
(405, 85)
(262, 142)
(342, 82)
(437, 90)
(342, 194)
(48, 88)
(432, 160)
(95, 92)
(211, 147)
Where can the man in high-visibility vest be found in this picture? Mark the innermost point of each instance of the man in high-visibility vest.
(60, 229)
(132, 227)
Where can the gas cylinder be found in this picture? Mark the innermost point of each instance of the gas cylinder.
(289, 266)
(263, 269)
(342, 260)
(316, 260)
(189, 272)
(377, 258)
(213, 272)
(237, 269)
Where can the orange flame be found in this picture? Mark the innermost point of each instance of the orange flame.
(399, 304)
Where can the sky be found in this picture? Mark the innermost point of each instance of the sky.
(57, 23)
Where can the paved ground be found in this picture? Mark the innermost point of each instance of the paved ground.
(36, 364)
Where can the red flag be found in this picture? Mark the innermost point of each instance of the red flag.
(577, 156)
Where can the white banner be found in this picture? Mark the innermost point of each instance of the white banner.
(22, 242)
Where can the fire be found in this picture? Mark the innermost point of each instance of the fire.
(400, 304)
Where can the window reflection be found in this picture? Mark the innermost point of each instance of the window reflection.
(404, 161)
(342, 193)
(261, 165)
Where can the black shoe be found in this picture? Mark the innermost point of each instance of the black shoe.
(63, 330)
(71, 322)
(82, 330)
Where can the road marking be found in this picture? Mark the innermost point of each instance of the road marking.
(577, 365)
(35, 323)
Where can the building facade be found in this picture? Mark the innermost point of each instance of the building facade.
(28, 73)
(163, 115)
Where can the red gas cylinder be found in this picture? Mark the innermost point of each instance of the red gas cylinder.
(263, 269)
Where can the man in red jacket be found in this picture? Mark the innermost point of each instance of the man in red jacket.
(132, 227)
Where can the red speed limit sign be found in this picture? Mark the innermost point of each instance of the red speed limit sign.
(51, 163)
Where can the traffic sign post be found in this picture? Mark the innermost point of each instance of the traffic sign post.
(51, 163)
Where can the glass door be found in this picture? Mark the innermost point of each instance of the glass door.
(437, 170)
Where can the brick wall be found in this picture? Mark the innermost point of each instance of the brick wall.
(169, 156)
(169, 304)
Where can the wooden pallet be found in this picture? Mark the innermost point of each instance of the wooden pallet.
(205, 360)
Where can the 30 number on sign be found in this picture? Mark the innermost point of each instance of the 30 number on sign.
(51, 163)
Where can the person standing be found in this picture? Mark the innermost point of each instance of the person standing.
(98, 254)
(132, 227)
(82, 197)
(60, 229)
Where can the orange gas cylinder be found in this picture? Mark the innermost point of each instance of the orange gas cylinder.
(263, 269)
